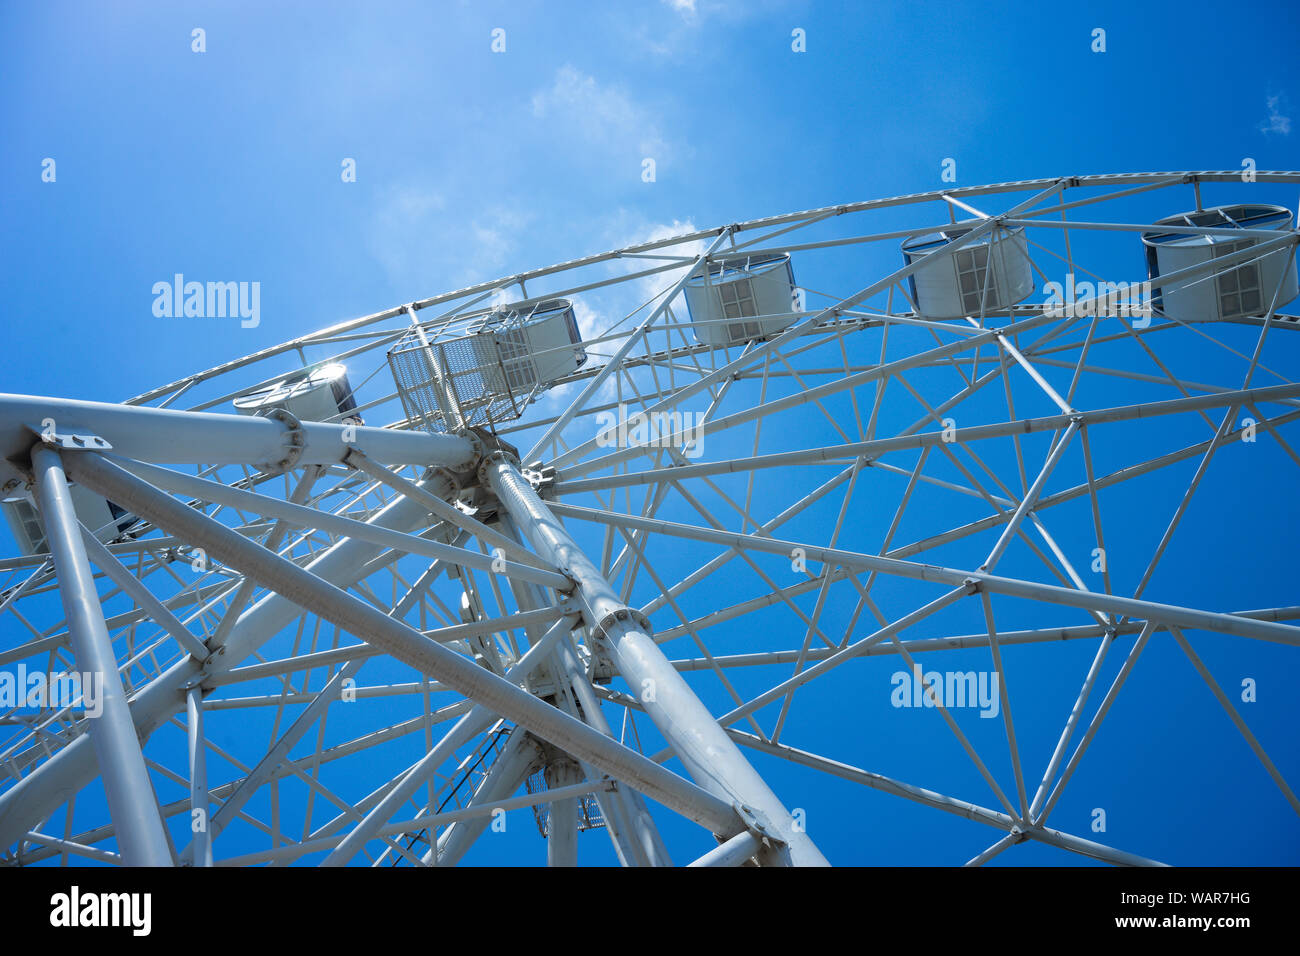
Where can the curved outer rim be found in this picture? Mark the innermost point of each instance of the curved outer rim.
(1104, 179)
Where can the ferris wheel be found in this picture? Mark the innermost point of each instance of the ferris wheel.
(747, 546)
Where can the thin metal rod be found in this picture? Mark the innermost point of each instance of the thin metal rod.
(1031, 498)
(477, 720)
(879, 446)
(128, 582)
(1011, 839)
(305, 517)
(68, 846)
(34, 797)
(405, 643)
(939, 801)
(1088, 600)
(1236, 719)
(201, 845)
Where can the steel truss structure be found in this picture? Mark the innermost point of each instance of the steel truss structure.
(658, 588)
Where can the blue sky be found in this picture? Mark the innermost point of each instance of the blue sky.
(472, 164)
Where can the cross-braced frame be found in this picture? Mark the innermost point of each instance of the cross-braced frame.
(665, 591)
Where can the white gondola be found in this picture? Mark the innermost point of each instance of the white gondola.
(1233, 292)
(990, 274)
(509, 356)
(103, 517)
(311, 395)
(537, 343)
(742, 298)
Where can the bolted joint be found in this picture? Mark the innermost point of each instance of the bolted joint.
(454, 484)
(68, 441)
(488, 450)
(542, 478)
(294, 441)
(475, 439)
(624, 614)
(491, 459)
(758, 824)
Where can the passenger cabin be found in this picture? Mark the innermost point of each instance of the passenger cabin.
(507, 357)
(741, 298)
(106, 519)
(990, 274)
(536, 343)
(310, 395)
(1231, 292)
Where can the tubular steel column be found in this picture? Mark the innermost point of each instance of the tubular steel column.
(562, 819)
(630, 827)
(131, 802)
(710, 756)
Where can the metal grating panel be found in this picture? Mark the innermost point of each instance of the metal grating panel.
(478, 379)
(589, 817)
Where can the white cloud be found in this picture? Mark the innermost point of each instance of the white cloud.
(426, 245)
(590, 322)
(685, 7)
(1277, 122)
(599, 115)
(652, 285)
(596, 312)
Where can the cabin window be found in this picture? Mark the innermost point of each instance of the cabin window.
(737, 299)
(1239, 287)
(972, 268)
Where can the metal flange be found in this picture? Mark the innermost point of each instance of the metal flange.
(492, 458)
(295, 441)
(75, 442)
(601, 631)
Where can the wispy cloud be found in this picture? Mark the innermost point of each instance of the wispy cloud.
(425, 242)
(599, 115)
(678, 31)
(1277, 121)
(653, 232)
(597, 312)
(685, 7)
